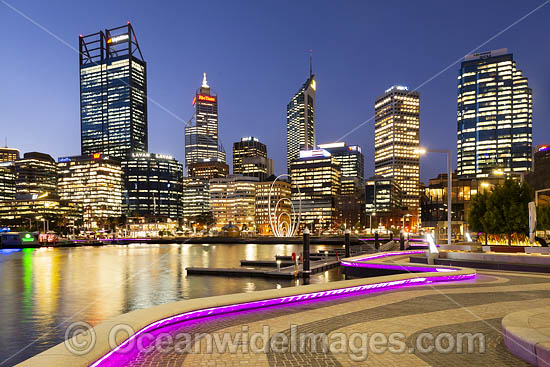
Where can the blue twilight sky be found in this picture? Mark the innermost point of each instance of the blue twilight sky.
(256, 57)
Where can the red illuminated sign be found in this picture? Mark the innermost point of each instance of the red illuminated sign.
(207, 98)
(97, 155)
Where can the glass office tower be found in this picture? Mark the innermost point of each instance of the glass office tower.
(494, 116)
(152, 186)
(36, 175)
(300, 121)
(250, 158)
(315, 185)
(201, 134)
(7, 181)
(396, 138)
(94, 182)
(113, 93)
(351, 159)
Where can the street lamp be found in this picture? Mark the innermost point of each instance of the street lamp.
(422, 151)
(370, 220)
(500, 172)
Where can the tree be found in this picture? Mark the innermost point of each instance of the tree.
(543, 217)
(476, 216)
(507, 209)
(205, 219)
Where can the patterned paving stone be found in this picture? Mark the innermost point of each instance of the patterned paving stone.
(492, 291)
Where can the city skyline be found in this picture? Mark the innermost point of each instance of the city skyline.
(237, 115)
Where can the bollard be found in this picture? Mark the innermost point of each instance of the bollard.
(279, 266)
(401, 241)
(306, 272)
(346, 241)
(376, 244)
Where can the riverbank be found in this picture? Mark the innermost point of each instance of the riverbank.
(200, 240)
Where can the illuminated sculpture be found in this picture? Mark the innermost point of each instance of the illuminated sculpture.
(282, 223)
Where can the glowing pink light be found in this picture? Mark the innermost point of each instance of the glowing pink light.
(114, 358)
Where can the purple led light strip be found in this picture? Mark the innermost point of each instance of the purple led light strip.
(116, 239)
(360, 263)
(393, 239)
(112, 358)
(396, 267)
(388, 254)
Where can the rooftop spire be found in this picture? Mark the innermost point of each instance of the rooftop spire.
(204, 83)
(310, 63)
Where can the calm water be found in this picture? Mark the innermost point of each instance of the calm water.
(44, 290)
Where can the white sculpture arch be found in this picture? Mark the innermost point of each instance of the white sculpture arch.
(279, 226)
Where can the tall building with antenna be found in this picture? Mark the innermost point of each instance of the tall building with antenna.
(113, 93)
(300, 119)
(201, 134)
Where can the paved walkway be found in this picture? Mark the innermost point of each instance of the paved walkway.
(443, 309)
(527, 335)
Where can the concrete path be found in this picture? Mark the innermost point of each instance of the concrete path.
(527, 335)
(432, 321)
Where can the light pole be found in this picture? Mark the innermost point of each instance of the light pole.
(423, 151)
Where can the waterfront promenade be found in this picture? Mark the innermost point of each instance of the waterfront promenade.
(429, 319)
(468, 307)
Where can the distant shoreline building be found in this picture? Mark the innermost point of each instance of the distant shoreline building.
(195, 198)
(280, 203)
(396, 140)
(95, 183)
(36, 175)
(113, 93)
(9, 154)
(7, 181)
(232, 201)
(494, 116)
(201, 134)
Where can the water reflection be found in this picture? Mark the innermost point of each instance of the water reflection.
(43, 288)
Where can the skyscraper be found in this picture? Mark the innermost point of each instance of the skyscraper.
(113, 93)
(250, 158)
(350, 157)
(315, 187)
(351, 201)
(94, 182)
(195, 197)
(201, 134)
(7, 181)
(494, 115)
(300, 120)
(152, 185)
(396, 138)
(36, 175)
